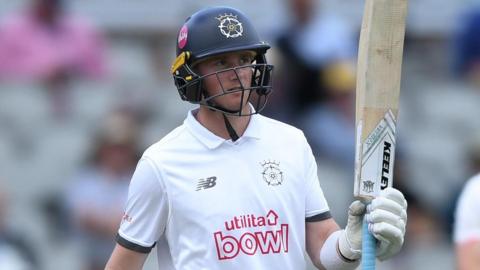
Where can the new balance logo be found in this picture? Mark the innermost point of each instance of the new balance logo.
(206, 183)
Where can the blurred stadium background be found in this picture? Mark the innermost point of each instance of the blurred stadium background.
(41, 152)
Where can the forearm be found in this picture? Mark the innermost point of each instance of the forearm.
(323, 239)
(316, 235)
(331, 255)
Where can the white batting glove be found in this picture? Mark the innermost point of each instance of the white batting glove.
(350, 241)
(387, 218)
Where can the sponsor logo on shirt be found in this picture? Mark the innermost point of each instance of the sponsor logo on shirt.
(264, 236)
(127, 218)
(206, 183)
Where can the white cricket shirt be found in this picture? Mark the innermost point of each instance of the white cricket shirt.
(467, 216)
(210, 203)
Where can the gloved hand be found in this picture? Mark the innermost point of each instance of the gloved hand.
(387, 218)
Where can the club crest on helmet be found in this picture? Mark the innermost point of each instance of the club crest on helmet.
(230, 26)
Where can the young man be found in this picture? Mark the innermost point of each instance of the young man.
(467, 226)
(231, 189)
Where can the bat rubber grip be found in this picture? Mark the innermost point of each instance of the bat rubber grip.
(368, 248)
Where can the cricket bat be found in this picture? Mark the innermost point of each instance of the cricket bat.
(377, 96)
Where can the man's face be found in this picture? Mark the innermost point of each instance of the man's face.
(47, 9)
(230, 82)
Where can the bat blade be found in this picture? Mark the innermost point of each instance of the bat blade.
(377, 95)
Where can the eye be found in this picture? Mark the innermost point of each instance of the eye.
(220, 63)
(245, 60)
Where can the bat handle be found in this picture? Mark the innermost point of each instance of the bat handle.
(368, 248)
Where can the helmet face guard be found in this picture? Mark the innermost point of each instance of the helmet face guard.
(211, 32)
(256, 94)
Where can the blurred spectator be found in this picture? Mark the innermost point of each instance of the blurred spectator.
(99, 191)
(15, 252)
(467, 47)
(425, 240)
(466, 231)
(306, 47)
(330, 126)
(46, 44)
(467, 226)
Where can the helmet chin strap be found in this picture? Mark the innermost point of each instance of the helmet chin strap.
(231, 131)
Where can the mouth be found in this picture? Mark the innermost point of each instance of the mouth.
(234, 89)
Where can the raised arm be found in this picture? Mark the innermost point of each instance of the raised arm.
(316, 235)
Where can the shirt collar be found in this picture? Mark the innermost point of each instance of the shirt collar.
(211, 140)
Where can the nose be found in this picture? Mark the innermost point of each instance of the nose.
(240, 72)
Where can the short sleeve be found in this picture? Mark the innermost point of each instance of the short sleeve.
(146, 212)
(316, 206)
(467, 219)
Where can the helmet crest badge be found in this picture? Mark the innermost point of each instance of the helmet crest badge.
(230, 26)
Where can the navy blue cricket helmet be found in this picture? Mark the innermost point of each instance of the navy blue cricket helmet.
(215, 31)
